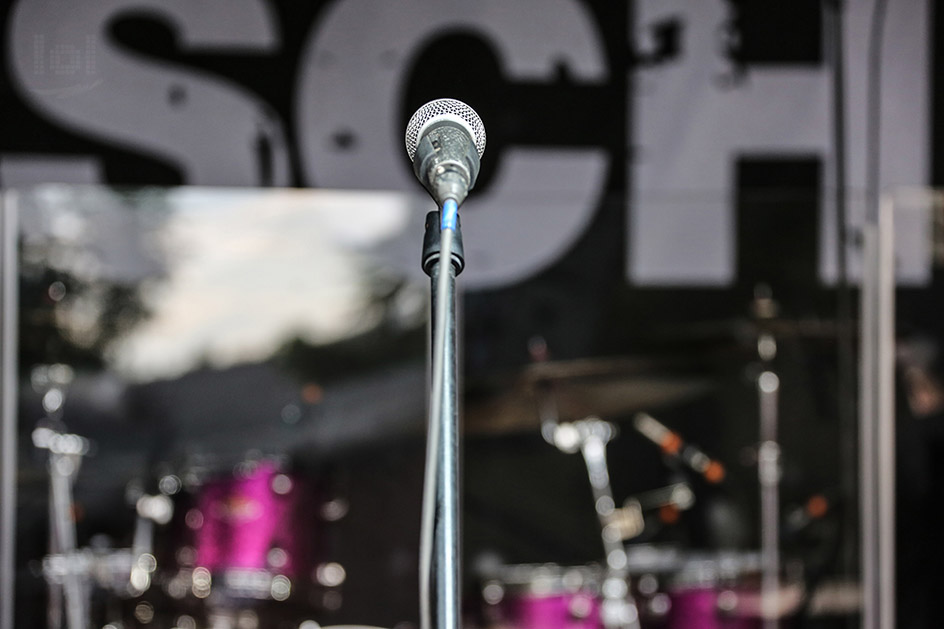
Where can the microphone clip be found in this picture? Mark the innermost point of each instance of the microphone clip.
(432, 245)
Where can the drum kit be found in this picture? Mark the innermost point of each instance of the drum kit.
(637, 583)
(242, 550)
(216, 545)
(634, 585)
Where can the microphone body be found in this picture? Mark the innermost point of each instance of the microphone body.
(672, 444)
(446, 162)
(445, 138)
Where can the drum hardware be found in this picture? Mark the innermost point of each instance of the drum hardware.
(151, 510)
(65, 452)
(114, 570)
(672, 444)
(733, 590)
(589, 437)
(233, 584)
(839, 597)
(761, 332)
(628, 522)
(814, 509)
(679, 495)
(72, 572)
(769, 472)
(124, 572)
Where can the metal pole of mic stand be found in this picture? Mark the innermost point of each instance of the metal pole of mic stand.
(444, 411)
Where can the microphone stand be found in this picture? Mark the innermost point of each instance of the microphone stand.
(441, 493)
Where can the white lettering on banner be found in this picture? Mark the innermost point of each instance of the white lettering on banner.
(690, 130)
(65, 64)
(354, 66)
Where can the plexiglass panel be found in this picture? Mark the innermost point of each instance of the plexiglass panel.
(195, 366)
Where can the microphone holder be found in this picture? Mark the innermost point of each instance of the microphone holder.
(432, 246)
(443, 447)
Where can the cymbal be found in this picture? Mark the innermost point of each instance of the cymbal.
(745, 330)
(607, 388)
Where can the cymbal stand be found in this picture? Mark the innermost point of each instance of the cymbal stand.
(589, 436)
(65, 457)
(70, 571)
(150, 510)
(769, 472)
(122, 571)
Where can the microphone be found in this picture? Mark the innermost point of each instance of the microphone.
(672, 444)
(445, 139)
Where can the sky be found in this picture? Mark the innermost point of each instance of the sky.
(229, 274)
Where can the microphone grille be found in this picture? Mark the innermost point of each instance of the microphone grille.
(444, 109)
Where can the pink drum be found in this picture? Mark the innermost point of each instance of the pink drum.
(708, 608)
(721, 591)
(561, 611)
(250, 521)
(544, 597)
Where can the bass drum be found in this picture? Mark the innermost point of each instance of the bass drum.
(722, 591)
(244, 534)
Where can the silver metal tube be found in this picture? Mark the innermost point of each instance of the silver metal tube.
(885, 414)
(446, 543)
(62, 471)
(768, 466)
(9, 305)
(56, 596)
(60, 478)
(619, 609)
(867, 473)
(876, 422)
(593, 450)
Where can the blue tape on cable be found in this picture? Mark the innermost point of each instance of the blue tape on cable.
(450, 215)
